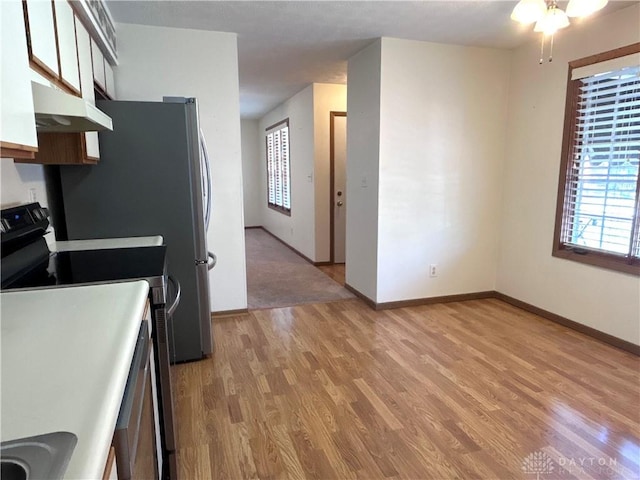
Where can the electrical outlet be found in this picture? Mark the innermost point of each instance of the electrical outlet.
(32, 195)
(433, 270)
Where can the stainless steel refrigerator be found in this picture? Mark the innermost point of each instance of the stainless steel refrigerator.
(152, 179)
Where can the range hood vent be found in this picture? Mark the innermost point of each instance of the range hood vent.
(57, 111)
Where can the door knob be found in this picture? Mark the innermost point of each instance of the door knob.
(340, 203)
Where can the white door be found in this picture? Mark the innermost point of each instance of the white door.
(339, 185)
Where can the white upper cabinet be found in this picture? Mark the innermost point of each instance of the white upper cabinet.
(85, 62)
(67, 44)
(110, 86)
(17, 123)
(86, 84)
(42, 35)
(98, 66)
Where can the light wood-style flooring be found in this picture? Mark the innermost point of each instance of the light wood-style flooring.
(336, 271)
(469, 390)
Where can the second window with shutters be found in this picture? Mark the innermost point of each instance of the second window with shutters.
(278, 167)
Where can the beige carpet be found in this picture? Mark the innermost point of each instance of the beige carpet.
(278, 277)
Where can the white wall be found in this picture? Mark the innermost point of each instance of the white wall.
(297, 230)
(158, 61)
(432, 166)
(363, 150)
(17, 178)
(599, 298)
(443, 113)
(251, 173)
(326, 98)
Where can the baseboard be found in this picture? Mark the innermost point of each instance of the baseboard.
(229, 313)
(361, 296)
(415, 302)
(589, 331)
(462, 297)
(253, 226)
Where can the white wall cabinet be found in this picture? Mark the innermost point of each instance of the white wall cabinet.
(86, 85)
(42, 35)
(110, 86)
(49, 45)
(67, 48)
(98, 66)
(17, 125)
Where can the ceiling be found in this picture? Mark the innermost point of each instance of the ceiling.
(283, 46)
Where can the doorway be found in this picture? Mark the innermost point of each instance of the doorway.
(338, 186)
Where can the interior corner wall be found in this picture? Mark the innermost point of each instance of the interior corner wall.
(252, 187)
(159, 61)
(363, 149)
(601, 299)
(327, 98)
(443, 113)
(297, 230)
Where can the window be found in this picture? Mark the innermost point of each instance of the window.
(598, 214)
(278, 167)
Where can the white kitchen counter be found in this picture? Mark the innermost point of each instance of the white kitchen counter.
(66, 354)
(104, 243)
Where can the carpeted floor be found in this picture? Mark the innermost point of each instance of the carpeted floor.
(278, 277)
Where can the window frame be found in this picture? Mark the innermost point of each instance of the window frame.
(272, 128)
(611, 261)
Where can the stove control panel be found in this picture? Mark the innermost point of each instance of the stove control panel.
(23, 223)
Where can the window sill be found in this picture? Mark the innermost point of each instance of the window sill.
(598, 259)
(282, 210)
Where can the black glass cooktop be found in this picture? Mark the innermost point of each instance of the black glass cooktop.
(92, 266)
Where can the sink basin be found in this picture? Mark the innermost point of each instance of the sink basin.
(12, 470)
(40, 457)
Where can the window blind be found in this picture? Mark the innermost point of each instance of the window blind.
(278, 166)
(601, 195)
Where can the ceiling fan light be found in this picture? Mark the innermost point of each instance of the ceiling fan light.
(582, 8)
(554, 20)
(529, 11)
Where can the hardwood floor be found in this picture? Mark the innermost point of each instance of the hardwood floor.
(336, 271)
(468, 390)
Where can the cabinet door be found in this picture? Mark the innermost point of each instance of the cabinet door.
(98, 66)
(67, 47)
(42, 35)
(110, 86)
(18, 138)
(86, 85)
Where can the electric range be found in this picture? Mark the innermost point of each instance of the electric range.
(27, 263)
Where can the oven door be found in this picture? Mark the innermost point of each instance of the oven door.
(163, 335)
(135, 438)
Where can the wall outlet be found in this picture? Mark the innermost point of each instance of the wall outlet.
(33, 197)
(433, 270)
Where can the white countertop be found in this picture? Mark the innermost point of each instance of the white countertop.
(66, 354)
(104, 243)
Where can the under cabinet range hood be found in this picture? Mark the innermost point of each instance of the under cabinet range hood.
(57, 111)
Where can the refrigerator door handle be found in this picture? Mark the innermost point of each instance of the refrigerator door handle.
(207, 179)
(211, 260)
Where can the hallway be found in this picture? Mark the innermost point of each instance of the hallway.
(279, 277)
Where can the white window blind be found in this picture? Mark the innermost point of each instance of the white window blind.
(278, 167)
(601, 194)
